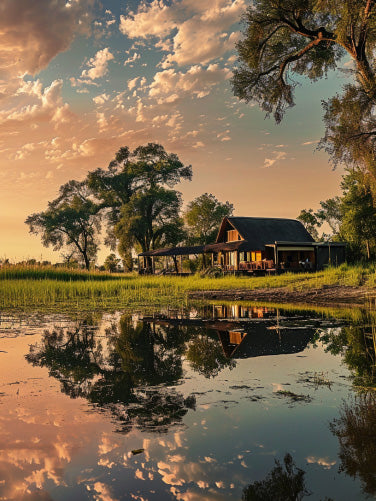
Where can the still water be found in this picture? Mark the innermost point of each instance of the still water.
(210, 403)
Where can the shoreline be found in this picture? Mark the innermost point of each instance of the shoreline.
(333, 295)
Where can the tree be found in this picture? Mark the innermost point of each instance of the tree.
(331, 213)
(310, 222)
(151, 220)
(71, 220)
(135, 192)
(111, 263)
(203, 217)
(358, 213)
(286, 39)
(282, 484)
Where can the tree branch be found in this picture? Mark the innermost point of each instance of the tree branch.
(295, 57)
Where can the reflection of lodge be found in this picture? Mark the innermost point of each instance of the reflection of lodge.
(251, 245)
(246, 331)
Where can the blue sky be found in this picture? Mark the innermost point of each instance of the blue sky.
(80, 79)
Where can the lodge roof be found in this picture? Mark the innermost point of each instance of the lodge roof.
(259, 231)
(175, 251)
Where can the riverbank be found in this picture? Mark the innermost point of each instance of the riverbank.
(327, 295)
(47, 288)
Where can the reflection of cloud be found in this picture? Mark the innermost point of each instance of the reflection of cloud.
(325, 461)
(107, 444)
(102, 492)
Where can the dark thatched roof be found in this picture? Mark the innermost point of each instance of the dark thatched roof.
(259, 231)
(175, 251)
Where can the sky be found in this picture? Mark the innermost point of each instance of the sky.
(81, 78)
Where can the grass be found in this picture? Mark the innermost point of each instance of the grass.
(40, 286)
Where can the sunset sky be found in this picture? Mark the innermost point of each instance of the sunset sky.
(81, 78)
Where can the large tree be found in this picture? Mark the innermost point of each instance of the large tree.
(136, 194)
(203, 217)
(358, 214)
(150, 220)
(286, 39)
(71, 220)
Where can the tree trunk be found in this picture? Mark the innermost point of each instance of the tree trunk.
(175, 264)
(368, 250)
(86, 259)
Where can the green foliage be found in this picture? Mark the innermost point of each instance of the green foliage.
(203, 217)
(151, 219)
(310, 222)
(111, 263)
(359, 214)
(43, 287)
(206, 356)
(71, 220)
(135, 194)
(286, 39)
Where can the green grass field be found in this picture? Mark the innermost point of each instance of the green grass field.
(33, 286)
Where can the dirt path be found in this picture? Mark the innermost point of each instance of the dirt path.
(326, 296)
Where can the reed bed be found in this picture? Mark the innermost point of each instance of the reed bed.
(25, 287)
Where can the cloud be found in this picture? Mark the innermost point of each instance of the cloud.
(310, 142)
(33, 33)
(170, 85)
(33, 103)
(277, 156)
(132, 59)
(192, 20)
(98, 64)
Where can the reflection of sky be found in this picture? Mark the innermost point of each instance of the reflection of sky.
(52, 444)
(78, 82)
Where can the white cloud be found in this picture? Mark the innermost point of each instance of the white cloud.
(193, 20)
(310, 142)
(169, 85)
(277, 156)
(98, 64)
(132, 59)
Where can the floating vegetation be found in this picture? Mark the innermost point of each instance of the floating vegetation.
(295, 397)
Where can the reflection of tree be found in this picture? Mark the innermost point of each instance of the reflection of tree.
(357, 344)
(281, 484)
(206, 356)
(129, 375)
(355, 430)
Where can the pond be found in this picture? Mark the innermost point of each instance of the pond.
(211, 402)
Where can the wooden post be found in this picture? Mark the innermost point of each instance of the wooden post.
(276, 256)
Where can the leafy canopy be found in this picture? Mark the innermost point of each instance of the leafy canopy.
(288, 39)
(71, 220)
(203, 217)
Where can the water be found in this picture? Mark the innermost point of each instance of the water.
(187, 405)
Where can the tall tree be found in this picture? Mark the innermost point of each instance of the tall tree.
(135, 192)
(286, 39)
(71, 220)
(358, 213)
(310, 222)
(203, 217)
(150, 220)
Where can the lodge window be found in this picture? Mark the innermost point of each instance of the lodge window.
(256, 256)
(233, 235)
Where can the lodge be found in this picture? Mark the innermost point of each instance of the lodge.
(252, 245)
